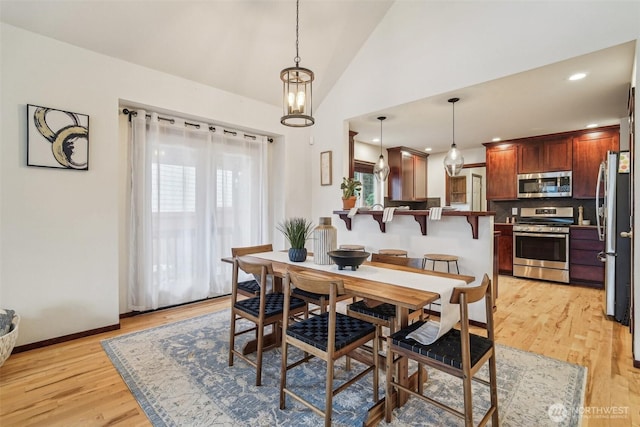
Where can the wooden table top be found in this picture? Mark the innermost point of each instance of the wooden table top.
(402, 296)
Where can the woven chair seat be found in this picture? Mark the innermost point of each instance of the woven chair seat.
(249, 286)
(274, 304)
(314, 331)
(446, 349)
(382, 311)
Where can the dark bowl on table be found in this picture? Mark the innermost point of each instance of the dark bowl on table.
(351, 259)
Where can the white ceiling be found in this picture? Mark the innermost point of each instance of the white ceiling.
(235, 45)
(536, 102)
(240, 46)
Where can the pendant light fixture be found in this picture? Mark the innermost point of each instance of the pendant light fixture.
(297, 90)
(381, 169)
(453, 161)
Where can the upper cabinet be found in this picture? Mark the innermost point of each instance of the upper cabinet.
(545, 155)
(589, 150)
(501, 162)
(407, 175)
(577, 151)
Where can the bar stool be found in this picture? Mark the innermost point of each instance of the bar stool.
(351, 247)
(393, 252)
(441, 258)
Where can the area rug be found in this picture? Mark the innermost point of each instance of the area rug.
(180, 376)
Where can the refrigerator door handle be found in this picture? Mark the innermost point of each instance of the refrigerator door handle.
(599, 209)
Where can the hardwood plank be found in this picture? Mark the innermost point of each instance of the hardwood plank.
(74, 383)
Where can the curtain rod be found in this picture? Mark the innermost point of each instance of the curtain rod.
(186, 123)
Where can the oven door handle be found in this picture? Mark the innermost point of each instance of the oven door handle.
(557, 236)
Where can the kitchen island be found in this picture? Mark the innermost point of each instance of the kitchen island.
(466, 234)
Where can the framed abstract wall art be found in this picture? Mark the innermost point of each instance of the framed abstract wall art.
(57, 139)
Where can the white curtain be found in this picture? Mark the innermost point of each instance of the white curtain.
(195, 193)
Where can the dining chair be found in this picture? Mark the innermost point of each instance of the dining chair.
(250, 288)
(458, 352)
(384, 315)
(320, 301)
(328, 336)
(263, 310)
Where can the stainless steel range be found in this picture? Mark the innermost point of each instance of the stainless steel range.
(541, 243)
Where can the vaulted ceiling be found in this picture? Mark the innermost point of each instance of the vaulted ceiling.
(241, 46)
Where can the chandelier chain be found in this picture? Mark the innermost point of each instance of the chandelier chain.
(297, 58)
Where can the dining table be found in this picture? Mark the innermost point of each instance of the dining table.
(405, 287)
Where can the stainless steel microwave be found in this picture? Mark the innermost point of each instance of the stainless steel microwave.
(544, 184)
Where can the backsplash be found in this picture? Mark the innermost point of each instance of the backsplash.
(503, 209)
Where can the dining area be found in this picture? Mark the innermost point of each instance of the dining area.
(386, 321)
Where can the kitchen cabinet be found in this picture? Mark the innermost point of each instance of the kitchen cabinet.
(547, 155)
(505, 248)
(584, 266)
(589, 150)
(501, 162)
(458, 190)
(407, 174)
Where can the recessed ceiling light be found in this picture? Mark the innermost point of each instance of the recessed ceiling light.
(577, 76)
(427, 149)
(376, 139)
(592, 125)
(496, 139)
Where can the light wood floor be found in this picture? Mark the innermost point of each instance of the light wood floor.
(75, 384)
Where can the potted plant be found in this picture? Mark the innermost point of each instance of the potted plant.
(350, 191)
(297, 231)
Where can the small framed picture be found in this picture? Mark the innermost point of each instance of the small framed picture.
(325, 168)
(57, 139)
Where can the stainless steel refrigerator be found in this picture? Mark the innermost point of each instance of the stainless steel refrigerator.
(613, 216)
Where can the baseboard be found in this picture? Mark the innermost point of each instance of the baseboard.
(65, 338)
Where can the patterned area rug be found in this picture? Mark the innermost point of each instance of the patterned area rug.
(179, 375)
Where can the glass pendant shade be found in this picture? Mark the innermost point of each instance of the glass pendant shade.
(297, 97)
(453, 161)
(381, 168)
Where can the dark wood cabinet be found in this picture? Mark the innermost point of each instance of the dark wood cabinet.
(407, 174)
(584, 266)
(458, 190)
(501, 172)
(529, 157)
(547, 155)
(505, 248)
(589, 150)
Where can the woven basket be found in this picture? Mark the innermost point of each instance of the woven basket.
(8, 341)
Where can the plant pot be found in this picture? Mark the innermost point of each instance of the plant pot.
(349, 202)
(297, 254)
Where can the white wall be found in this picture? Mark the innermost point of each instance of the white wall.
(367, 152)
(422, 49)
(63, 232)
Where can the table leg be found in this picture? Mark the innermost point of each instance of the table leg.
(402, 368)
